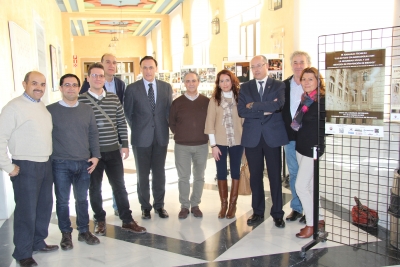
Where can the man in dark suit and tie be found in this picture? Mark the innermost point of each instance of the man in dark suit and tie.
(147, 103)
(112, 83)
(260, 102)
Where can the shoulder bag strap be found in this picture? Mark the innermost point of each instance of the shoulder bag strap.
(102, 111)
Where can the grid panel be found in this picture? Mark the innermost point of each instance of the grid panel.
(358, 165)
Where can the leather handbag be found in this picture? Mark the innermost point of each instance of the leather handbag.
(364, 216)
(244, 182)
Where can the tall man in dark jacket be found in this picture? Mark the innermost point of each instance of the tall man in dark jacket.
(299, 60)
(260, 103)
(112, 84)
(146, 105)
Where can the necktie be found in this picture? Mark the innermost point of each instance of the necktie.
(151, 97)
(261, 92)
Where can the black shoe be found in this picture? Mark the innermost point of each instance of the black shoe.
(146, 214)
(162, 213)
(293, 216)
(89, 238)
(255, 218)
(66, 241)
(28, 262)
(48, 248)
(303, 219)
(280, 223)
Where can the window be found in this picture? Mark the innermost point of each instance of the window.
(176, 30)
(340, 91)
(331, 84)
(354, 96)
(364, 95)
(365, 76)
(201, 32)
(346, 94)
(243, 28)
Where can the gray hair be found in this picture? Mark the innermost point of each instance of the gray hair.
(193, 72)
(300, 53)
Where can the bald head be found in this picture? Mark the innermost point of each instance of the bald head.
(259, 67)
(34, 84)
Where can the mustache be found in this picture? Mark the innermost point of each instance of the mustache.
(37, 90)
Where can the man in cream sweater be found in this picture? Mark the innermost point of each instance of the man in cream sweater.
(25, 128)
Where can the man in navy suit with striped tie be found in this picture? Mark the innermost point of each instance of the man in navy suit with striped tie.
(260, 102)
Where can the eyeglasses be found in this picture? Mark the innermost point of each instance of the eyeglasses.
(257, 67)
(94, 75)
(69, 85)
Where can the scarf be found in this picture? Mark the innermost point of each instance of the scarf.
(227, 119)
(306, 101)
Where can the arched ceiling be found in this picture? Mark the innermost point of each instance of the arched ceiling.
(133, 17)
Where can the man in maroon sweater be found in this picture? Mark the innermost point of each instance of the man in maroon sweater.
(187, 119)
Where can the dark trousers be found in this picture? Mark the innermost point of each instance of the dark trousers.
(111, 162)
(235, 157)
(146, 159)
(255, 157)
(33, 197)
(75, 173)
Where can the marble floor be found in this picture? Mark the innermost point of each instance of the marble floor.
(208, 241)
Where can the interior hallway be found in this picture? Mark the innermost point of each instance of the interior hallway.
(208, 241)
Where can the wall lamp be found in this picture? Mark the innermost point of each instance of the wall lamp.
(186, 37)
(215, 25)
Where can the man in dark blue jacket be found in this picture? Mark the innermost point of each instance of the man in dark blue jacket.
(112, 84)
(260, 102)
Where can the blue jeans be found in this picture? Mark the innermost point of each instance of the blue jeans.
(33, 195)
(293, 167)
(67, 173)
(235, 157)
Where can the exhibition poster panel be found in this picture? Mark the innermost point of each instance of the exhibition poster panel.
(355, 85)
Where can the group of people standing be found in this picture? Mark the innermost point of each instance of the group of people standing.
(73, 141)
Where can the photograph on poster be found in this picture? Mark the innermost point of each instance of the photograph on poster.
(164, 76)
(395, 94)
(355, 83)
(175, 77)
(184, 71)
(211, 75)
(230, 66)
(203, 74)
(54, 67)
(275, 69)
(242, 71)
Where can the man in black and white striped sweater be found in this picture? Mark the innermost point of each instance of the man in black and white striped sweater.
(111, 123)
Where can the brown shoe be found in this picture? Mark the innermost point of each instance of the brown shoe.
(321, 225)
(233, 198)
(183, 213)
(306, 232)
(196, 212)
(223, 195)
(89, 238)
(100, 228)
(66, 241)
(28, 262)
(134, 228)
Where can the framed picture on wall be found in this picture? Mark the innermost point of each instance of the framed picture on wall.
(54, 67)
